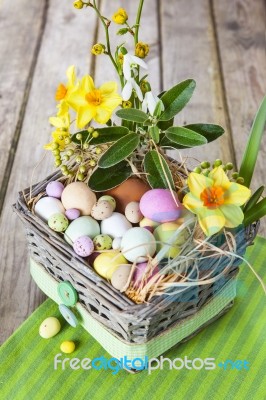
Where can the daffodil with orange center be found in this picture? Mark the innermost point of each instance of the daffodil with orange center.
(64, 90)
(216, 200)
(94, 103)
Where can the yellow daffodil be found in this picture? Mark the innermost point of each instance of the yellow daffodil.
(120, 17)
(215, 200)
(63, 91)
(92, 103)
(59, 137)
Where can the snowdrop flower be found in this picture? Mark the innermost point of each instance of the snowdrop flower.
(131, 62)
(128, 88)
(150, 102)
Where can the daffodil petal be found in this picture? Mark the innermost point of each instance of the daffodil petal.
(57, 122)
(102, 115)
(108, 88)
(233, 215)
(77, 99)
(192, 203)
(219, 177)
(84, 116)
(71, 76)
(127, 91)
(236, 194)
(111, 102)
(197, 183)
(87, 84)
(211, 221)
(48, 146)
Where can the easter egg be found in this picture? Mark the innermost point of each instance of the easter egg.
(143, 273)
(102, 210)
(110, 200)
(83, 246)
(82, 226)
(116, 243)
(130, 190)
(137, 244)
(72, 213)
(106, 263)
(67, 347)
(102, 242)
(49, 327)
(132, 212)
(58, 222)
(160, 206)
(120, 278)
(55, 189)
(146, 222)
(78, 195)
(163, 234)
(115, 226)
(48, 206)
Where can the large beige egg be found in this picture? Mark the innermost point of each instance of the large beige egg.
(137, 244)
(132, 212)
(120, 278)
(78, 195)
(48, 206)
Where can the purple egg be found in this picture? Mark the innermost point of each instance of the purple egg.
(72, 213)
(55, 189)
(140, 271)
(160, 206)
(83, 246)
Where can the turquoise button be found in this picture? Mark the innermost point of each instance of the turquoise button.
(68, 315)
(67, 293)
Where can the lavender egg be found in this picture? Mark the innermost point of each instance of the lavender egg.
(83, 246)
(55, 189)
(160, 206)
(141, 273)
(72, 213)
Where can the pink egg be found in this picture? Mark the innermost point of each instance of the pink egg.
(83, 246)
(55, 189)
(72, 213)
(159, 205)
(140, 271)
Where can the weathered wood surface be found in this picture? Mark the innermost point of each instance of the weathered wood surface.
(219, 43)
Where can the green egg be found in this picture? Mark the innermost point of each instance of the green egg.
(102, 242)
(58, 222)
(110, 200)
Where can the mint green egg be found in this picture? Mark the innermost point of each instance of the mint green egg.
(82, 226)
(58, 222)
(102, 242)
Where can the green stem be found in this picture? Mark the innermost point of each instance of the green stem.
(138, 21)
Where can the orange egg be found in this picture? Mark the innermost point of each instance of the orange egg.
(130, 190)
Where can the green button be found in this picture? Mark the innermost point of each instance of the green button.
(67, 293)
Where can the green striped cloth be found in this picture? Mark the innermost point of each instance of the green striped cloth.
(27, 361)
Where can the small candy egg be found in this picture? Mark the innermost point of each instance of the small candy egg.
(82, 226)
(78, 195)
(72, 213)
(47, 206)
(67, 347)
(110, 200)
(106, 263)
(102, 242)
(141, 273)
(58, 222)
(163, 234)
(137, 244)
(55, 189)
(102, 210)
(115, 226)
(49, 327)
(148, 222)
(116, 243)
(160, 206)
(132, 212)
(83, 246)
(120, 277)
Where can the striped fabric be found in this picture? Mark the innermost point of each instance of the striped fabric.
(27, 361)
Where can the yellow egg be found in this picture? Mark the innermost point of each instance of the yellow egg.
(107, 263)
(163, 234)
(67, 347)
(148, 222)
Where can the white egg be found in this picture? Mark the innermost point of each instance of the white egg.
(82, 226)
(115, 226)
(116, 243)
(48, 206)
(137, 244)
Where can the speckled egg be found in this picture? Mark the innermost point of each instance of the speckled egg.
(55, 189)
(102, 210)
(78, 195)
(132, 212)
(82, 226)
(58, 222)
(72, 214)
(116, 243)
(115, 226)
(160, 206)
(47, 206)
(146, 222)
(83, 246)
(137, 244)
(106, 263)
(102, 242)
(110, 200)
(120, 278)
(144, 273)
(49, 327)
(163, 234)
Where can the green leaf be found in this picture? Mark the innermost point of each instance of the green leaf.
(108, 178)
(253, 145)
(132, 114)
(122, 31)
(255, 213)
(106, 135)
(119, 150)
(166, 143)
(155, 133)
(254, 199)
(209, 131)
(176, 98)
(185, 137)
(164, 125)
(156, 173)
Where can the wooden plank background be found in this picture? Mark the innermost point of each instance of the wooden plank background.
(221, 44)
